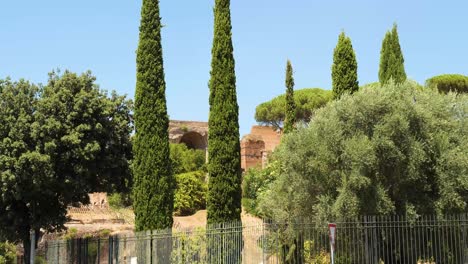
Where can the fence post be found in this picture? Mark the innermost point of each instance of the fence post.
(98, 250)
(110, 249)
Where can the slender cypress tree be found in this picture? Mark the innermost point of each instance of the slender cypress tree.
(224, 188)
(391, 58)
(154, 182)
(400, 74)
(344, 68)
(290, 119)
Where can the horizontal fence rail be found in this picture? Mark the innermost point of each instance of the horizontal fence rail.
(367, 240)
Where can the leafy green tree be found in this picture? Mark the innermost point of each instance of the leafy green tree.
(224, 190)
(290, 121)
(391, 58)
(344, 68)
(154, 182)
(58, 144)
(449, 83)
(397, 150)
(185, 160)
(307, 101)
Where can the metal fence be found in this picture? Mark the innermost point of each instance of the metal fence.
(368, 240)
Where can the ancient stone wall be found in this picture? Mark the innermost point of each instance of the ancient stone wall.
(256, 146)
(252, 148)
(191, 133)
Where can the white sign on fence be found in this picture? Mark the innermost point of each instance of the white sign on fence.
(133, 260)
(332, 234)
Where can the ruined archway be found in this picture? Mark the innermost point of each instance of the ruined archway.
(193, 140)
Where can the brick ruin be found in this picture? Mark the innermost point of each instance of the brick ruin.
(256, 146)
(191, 133)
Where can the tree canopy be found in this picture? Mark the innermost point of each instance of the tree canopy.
(449, 83)
(344, 68)
(307, 101)
(391, 58)
(290, 109)
(58, 144)
(387, 150)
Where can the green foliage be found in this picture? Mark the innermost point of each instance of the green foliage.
(224, 190)
(190, 195)
(7, 253)
(307, 101)
(449, 83)
(391, 59)
(344, 68)
(290, 120)
(322, 257)
(105, 233)
(58, 143)
(153, 191)
(392, 150)
(39, 260)
(119, 200)
(254, 183)
(71, 234)
(185, 160)
(194, 246)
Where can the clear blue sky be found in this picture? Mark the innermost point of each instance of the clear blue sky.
(102, 36)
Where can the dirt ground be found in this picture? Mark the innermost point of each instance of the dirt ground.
(122, 221)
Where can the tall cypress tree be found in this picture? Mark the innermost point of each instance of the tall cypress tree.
(344, 68)
(391, 58)
(154, 183)
(290, 119)
(224, 188)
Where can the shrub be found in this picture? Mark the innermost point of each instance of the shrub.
(71, 234)
(190, 194)
(104, 233)
(254, 182)
(185, 160)
(7, 253)
(119, 200)
(449, 82)
(40, 260)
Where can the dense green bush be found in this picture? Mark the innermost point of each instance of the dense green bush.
(190, 194)
(388, 150)
(307, 101)
(449, 82)
(7, 253)
(254, 182)
(185, 160)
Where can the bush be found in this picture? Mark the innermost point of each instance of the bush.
(7, 253)
(40, 260)
(119, 200)
(71, 234)
(190, 194)
(185, 160)
(449, 82)
(254, 182)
